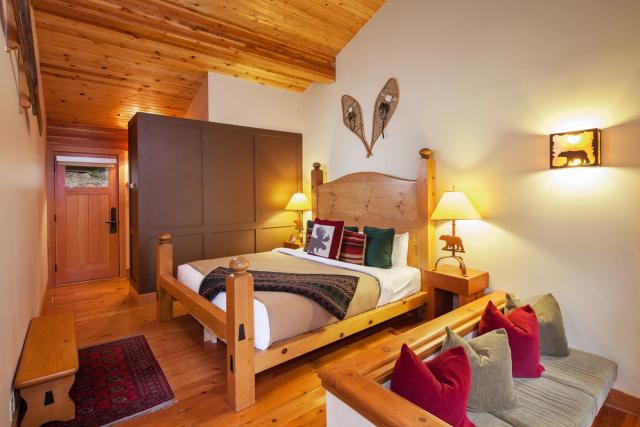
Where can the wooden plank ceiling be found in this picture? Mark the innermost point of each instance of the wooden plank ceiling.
(104, 60)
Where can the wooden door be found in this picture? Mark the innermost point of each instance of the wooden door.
(86, 220)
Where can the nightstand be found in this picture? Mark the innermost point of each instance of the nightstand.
(446, 282)
(290, 245)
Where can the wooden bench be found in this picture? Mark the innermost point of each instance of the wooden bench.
(47, 369)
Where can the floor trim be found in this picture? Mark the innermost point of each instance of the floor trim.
(623, 402)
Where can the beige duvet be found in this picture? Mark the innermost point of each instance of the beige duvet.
(292, 314)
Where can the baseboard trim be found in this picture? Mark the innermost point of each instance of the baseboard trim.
(141, 299)
(623, 402)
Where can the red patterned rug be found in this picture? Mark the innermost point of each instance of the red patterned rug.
(117, 380)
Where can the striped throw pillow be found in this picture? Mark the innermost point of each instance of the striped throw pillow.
(353, 246)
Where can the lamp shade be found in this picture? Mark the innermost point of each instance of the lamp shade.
(298, 202)
(454, 205)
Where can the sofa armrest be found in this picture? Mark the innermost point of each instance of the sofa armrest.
(358, 382)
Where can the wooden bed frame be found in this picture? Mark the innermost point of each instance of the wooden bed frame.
(363, 198)
(357, 381)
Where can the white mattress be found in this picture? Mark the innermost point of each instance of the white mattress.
(395, 283)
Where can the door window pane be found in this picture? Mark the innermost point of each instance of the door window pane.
(86, 176)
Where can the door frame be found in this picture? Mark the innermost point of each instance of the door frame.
(52, 150)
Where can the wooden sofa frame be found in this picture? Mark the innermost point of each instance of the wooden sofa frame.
(358, 381)
(363, 198)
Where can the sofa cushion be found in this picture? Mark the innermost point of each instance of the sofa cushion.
(439, 386)
(553, 340)
(483, 419)
(490, 359)
(547, 403)
(584, 371)
(521, 325)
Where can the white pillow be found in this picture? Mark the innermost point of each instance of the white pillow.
(400, 250)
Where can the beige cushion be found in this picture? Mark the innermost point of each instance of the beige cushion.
(553, 341)
(490, 358)
(587, 372)
(546, 403)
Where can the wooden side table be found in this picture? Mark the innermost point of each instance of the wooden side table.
(290, 245)
(448, 280)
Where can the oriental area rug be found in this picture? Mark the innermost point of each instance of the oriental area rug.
(117, 381)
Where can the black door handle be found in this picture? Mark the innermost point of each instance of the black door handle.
(113, 222)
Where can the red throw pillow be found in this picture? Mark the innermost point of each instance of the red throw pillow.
(326, 238)
(353, 247)
(439, 386)
(521, 325)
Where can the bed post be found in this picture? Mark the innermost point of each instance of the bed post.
(426, 204)
(317, 178)
(164, 266)
(241, 390)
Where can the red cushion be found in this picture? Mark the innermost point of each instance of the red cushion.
(439, 386)
(326, 238)
(521, 325)
(353, 247)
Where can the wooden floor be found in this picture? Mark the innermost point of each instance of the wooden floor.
(610, 417)
(289, 394)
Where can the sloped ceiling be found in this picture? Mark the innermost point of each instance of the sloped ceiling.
(104, 60)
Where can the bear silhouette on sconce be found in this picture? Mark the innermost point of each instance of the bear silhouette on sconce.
(576, 158)
(575, 149)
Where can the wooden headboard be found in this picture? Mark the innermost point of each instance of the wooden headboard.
(377, 200)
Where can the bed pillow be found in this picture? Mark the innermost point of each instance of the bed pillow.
(353, 247)
(379, 247)
(310, 230)
(553, 340)
(439, 386)
(326, 238)
(400, 251)
(490, 359)
(521, 325)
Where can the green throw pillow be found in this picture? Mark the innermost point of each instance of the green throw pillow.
(490, 359)
(553, 340)
(379, 246)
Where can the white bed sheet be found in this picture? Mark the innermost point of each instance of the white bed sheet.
(395, 283)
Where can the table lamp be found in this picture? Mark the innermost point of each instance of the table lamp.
(454, 205)
(299, 203)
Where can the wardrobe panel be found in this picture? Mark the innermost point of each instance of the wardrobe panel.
(229, 177)
(219, 189)
(229, 243)
(174, 163)
(269, 238)
(278, 166)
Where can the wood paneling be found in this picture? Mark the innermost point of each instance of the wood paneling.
(75, 135)
(219, 189)
(103, 61)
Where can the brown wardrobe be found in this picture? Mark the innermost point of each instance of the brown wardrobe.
(219, 189)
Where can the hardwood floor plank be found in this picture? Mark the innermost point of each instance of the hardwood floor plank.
(288, 394)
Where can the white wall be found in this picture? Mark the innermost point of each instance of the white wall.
(199, 108)
(234, 101)
(483, 84)
(23, 227)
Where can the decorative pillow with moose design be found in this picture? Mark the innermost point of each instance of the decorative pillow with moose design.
(307, 238)
(326, 238)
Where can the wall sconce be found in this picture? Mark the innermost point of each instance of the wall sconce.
(575, 149)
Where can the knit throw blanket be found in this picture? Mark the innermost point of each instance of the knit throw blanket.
(334, 292)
